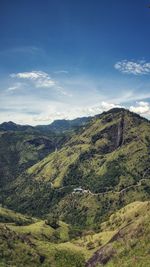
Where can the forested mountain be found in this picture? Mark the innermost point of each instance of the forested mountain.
(77, 179)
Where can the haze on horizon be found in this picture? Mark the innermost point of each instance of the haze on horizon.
(62, 59)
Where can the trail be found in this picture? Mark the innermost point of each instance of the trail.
(121, 191)
(139, 183)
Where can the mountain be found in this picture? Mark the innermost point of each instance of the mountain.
(108, 155)
(64, 125)
(85, 203)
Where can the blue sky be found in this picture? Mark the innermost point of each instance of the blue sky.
(71, 58)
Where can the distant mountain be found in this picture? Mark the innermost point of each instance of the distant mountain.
(55, 126)
(64, 125)
(11, 126)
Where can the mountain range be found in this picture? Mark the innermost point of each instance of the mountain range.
(76, 193)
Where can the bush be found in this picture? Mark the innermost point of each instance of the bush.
(90, 245)
(52, 221)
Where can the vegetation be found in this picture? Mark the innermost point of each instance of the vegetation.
(124, 237)
(107, 223)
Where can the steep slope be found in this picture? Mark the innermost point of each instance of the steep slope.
(113, 150)
(109, 157)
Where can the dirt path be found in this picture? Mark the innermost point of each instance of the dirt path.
(107, 192)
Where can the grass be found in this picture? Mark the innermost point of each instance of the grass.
(37, 230)
(35, 241)
(7, 216)
(54, 166)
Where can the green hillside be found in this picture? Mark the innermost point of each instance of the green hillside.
(84, 204)
(124, 237)
(113, 151)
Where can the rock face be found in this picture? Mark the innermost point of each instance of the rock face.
(112, 133)
(102, 256)
(120, 131)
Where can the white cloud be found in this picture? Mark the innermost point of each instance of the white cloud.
(133, 67)
(39, 78)
(141, 108)
(107, 106)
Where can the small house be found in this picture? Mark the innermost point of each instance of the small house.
(78, 190)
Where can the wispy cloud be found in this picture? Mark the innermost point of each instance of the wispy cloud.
(61, 72)
(31, 50)
(133, 67)
(15, 87)
(141, 107)
(39, 78)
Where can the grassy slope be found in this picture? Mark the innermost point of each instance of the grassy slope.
(35, 243)
(7, 216)
(122, 240)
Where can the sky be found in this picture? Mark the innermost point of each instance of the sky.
(62, 59)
